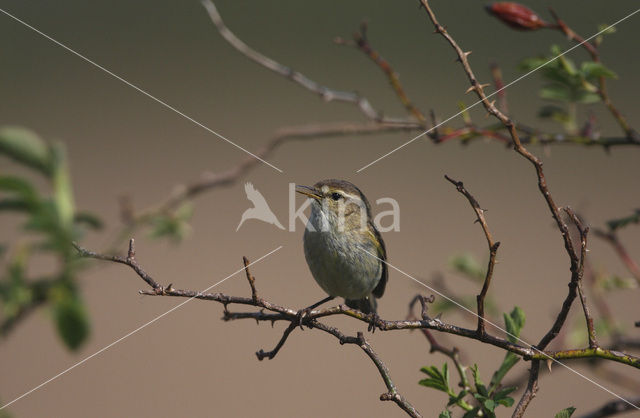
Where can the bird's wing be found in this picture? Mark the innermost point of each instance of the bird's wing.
(382, 254)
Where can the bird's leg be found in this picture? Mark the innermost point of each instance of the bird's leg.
(305, 311)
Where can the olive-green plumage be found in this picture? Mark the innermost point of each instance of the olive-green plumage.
(344, 250)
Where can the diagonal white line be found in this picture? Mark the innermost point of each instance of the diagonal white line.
(503, 330)
(133, 332)
(149, 95)
(496, 92)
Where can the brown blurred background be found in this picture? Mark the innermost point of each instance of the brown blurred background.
(190, 363)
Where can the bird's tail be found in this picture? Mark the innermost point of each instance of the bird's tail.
(366, 305)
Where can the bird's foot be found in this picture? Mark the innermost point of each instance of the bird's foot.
(373, 319)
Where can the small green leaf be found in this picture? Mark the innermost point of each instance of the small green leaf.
(63, 192)
(467, 265)
(437, 379)
(556, 92)
(19, 186)
(502, 393)
(565, 413)
(445, 414)
(472, 413)
(586, 97)
(514, 323)
(489, 404)
(508, 401)
(71, 318)
(24, 146)
(592, 70)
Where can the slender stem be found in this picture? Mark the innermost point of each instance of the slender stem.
(493, 250)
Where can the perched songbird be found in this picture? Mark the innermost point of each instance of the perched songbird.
(260, 209)
(344, 250)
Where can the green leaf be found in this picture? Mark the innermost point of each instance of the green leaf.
(503, 393)
(507, 401)
(591, 70)
(489, 404)
(63, 192)
(24, 146)
(586, 97)
(71, 318)
(622, 222)
(480, 387)
(467, 265)
(472, 413)
(18, 186)
(565, 413)
(606, 29)
(438, 380)
(514, 323)
(556, 92)
(445, 414)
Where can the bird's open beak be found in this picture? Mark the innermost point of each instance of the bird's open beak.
(308, 191)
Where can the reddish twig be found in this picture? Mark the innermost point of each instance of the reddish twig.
(612, 238)
(361, 42)
(496, 73)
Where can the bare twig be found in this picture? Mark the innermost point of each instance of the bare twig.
(529, 392)
(326, 93)
(281, 313)
(493, 249)
(361, 41)
(129, 260)
(591, 332)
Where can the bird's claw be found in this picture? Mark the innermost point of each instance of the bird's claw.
(373, 319)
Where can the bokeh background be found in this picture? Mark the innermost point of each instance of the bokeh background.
(190, 363)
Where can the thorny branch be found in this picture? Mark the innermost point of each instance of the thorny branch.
(493, 249)
(576, 262)
(271, 312)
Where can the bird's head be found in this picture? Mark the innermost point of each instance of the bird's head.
(338, 204)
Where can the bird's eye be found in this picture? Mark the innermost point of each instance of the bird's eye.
(336, 196)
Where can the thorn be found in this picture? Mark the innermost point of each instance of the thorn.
(169, 288)
(492, 103)
(470, 89)
(482, 86)
(466, 54)
(549, 364)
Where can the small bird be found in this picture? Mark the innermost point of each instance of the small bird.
(344, 250)
(260, 209)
